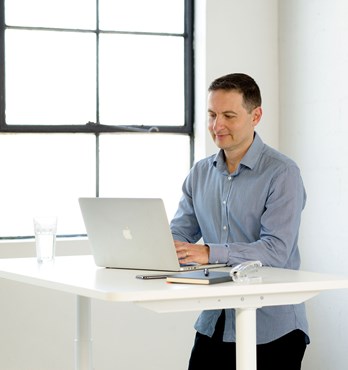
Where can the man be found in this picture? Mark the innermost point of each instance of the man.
(245, 203)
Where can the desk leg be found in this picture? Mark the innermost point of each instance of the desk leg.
(246, 338)
(83, 340)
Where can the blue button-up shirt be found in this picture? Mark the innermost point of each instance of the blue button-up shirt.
(253, 213)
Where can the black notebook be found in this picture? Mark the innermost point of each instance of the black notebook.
(198, 277)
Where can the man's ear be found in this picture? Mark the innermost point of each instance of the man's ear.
(257, 114)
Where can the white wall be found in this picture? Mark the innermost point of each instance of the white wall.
(313, 93)
(237, 36)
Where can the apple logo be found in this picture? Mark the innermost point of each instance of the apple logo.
(127, 233)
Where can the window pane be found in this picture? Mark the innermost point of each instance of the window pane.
(44, 174)
(140, 15)
(53, 13)
(141, 80)
(144, 165)
(50, 78)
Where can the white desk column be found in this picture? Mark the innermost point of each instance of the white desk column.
(83, 340)
(246, 338)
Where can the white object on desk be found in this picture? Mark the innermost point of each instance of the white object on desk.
(278, 287)
(246, 272)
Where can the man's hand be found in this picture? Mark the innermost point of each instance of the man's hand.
(188, 253)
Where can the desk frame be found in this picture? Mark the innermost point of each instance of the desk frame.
(278, 287)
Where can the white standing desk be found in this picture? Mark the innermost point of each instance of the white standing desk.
(79, 275)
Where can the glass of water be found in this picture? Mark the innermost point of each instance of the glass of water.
(45, 238)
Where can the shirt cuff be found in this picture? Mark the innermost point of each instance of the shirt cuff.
(218, 253)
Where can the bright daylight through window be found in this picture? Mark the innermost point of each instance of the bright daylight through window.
(96, 99)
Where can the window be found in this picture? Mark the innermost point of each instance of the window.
(96, 99)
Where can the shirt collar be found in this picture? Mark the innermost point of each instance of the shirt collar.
(250, 158)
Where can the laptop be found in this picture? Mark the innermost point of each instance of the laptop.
(131, 233)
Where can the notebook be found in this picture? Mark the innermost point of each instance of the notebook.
(198, 277)
(131, 233)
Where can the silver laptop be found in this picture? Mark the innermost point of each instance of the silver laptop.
(131, 233)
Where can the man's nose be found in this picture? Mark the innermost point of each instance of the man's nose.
(218, 123)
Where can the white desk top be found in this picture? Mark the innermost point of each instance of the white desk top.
(80, 276)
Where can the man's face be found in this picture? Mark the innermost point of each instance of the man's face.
(230, 124)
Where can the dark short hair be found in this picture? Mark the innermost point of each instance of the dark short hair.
(242, 83)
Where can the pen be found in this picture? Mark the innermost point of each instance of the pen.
(206, 272)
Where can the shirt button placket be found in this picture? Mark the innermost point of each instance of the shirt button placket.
(225, 225)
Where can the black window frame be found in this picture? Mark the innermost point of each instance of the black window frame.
(97, 127)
